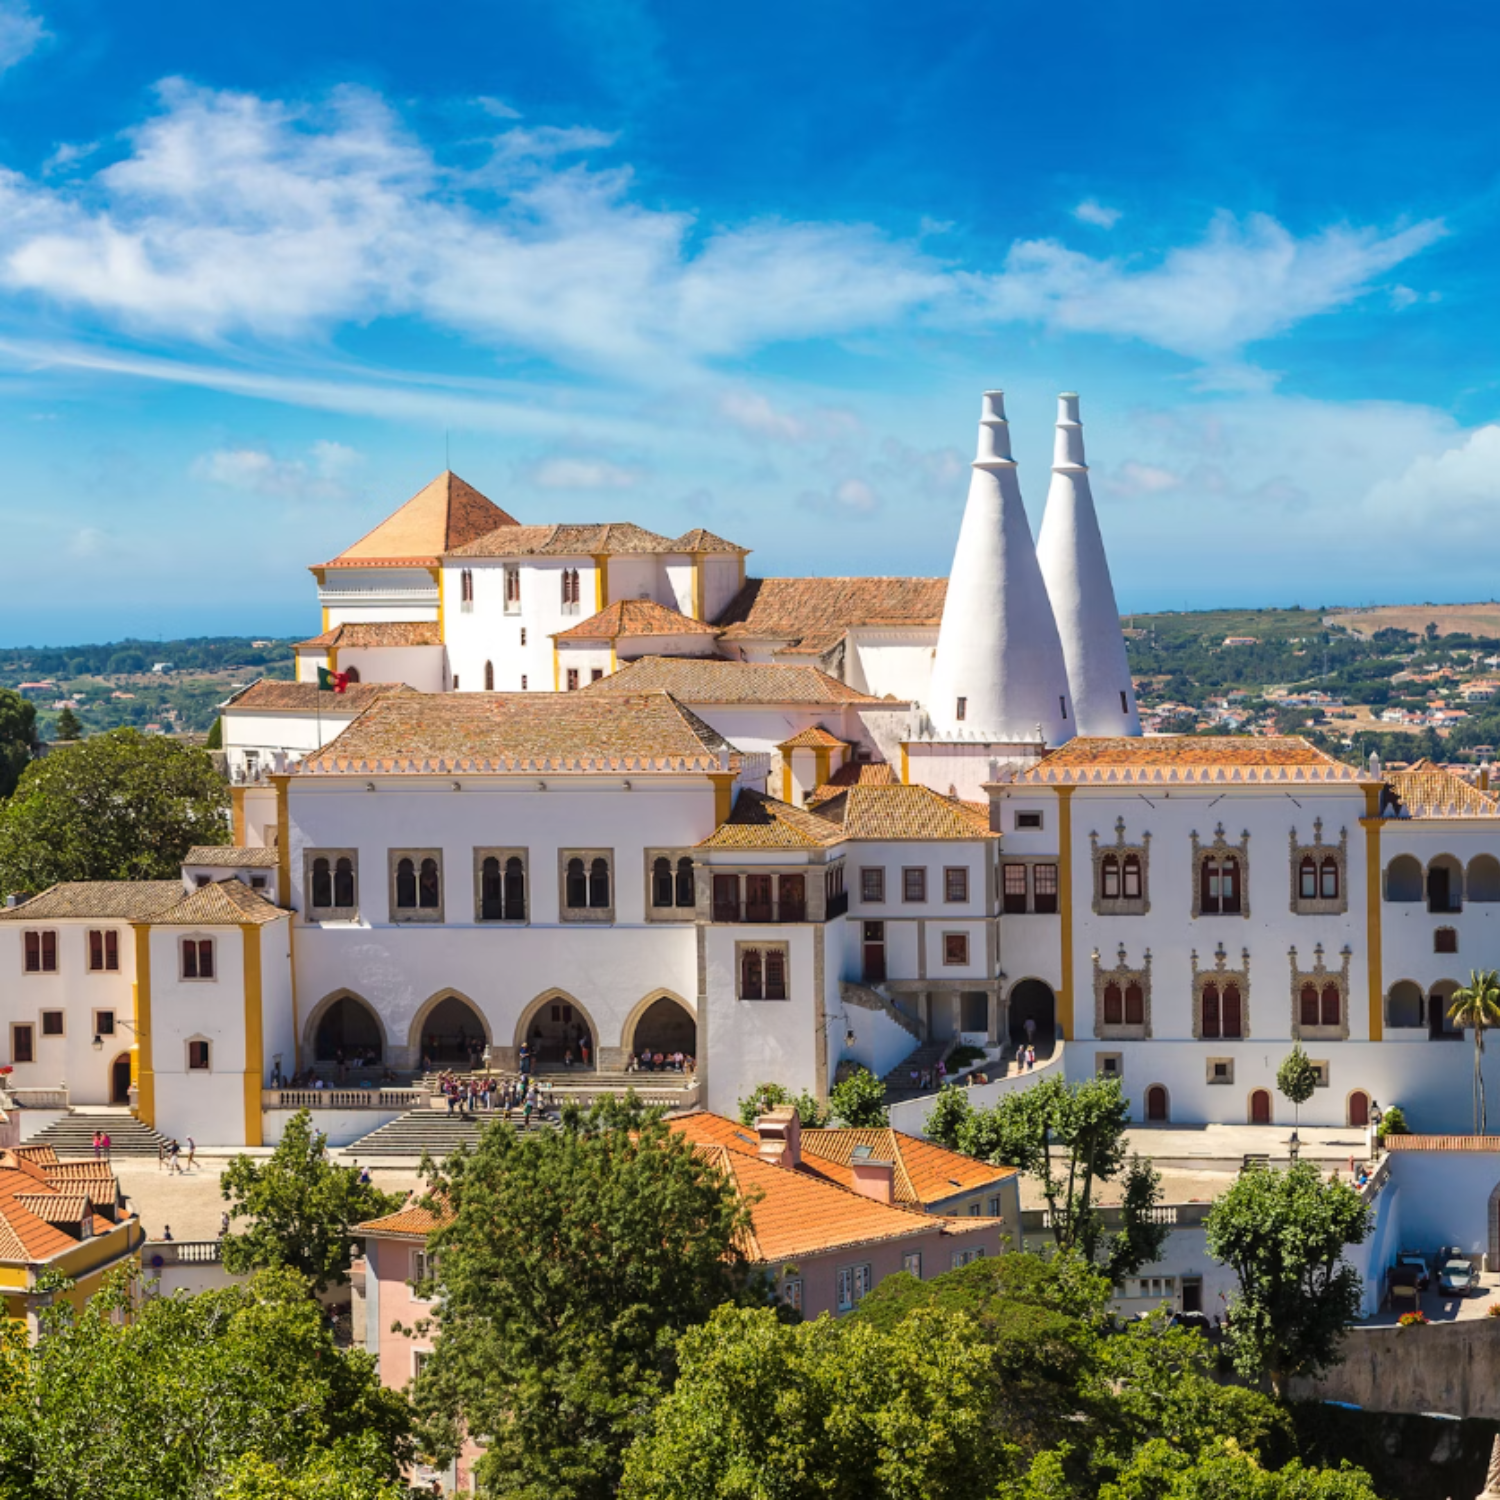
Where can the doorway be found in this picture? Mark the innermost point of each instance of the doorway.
(1192, 1294)
(1260, 1107)
(119, 1080)
(1156, 1104)
(1359, 1108)
(1032, 1000)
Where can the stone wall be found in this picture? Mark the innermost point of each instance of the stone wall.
(1453, 1369)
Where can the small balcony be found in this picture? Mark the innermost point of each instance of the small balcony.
(761, 911)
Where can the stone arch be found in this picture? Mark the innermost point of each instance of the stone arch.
(1259, 1107)
(1403, 878)
(1444, 883)
(1034, 999)
(548, 1050)
(1158, 1104)
(1405, 1004)
(322, 1011)
(1357, 1106)
(1439, 998)
(671, 1038)
(119, 1079)
(1482, 878)
(453, 1039)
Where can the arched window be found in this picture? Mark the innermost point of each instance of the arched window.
(1307, 878)
(1114, 1005)
(1210, 1019)
(428, 892)
(351, 674)
(752, 982)
(1331, 1007)
(1328, 879)
(489, 677)
(599, 882)
(663, 887)
(1109, 878)
(1229, 885)
(577, 884)
(686, 895)
(466, 586)
(1308, 1005)
(1131, 888)
(343, 881)
(775, 974)
(406, 884)
(1233, 1020)
(322, 883)
(491, 894)
(570, 590)
(1135, 1005)
(515, 889)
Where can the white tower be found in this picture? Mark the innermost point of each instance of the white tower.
(999, 674)
(1071, 552)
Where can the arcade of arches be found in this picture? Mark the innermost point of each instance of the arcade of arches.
(453, 1034)
(666, 1027)
(348, 1029)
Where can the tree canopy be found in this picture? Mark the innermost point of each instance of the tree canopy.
(301, 1208)
(859, 1100)
(67, 726)
(1476, 1007)
(119, 806)
(1297, 1077)
(769, 1095)
(17, 736)
(570, 1263)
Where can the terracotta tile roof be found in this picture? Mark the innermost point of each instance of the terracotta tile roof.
(410, 1221)
(628, 617)
(703, 679)
(227, 857)
(122, 900)
(815, 737)
(57, 1207)
(1430, 791)
(378, 633)
(761, 822)
(1188, 758)
(607, 540)
(43, 1156)
(542, 732)
(816, 612)
(274, 696)
(38, 1198)
(439, 518)
(925, 1173)
(699, 540)
(853, 773)
(905, 812)
(1442, 1143)
(218, 903)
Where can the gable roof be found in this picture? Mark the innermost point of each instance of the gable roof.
(370, 633)
(272, 695)
(219, 903)
(905, 812)
(761, 822)
(228, 857)
(924, 1172)
(1187, 757)
(627, 617)
(853, 773)
(442, 516)
(811, 615)
(814, 737)
(121, 900)
(606, 539)
(42, 1203)
(708, 679)
(1431, 791)
(699, 540)
(544, 732)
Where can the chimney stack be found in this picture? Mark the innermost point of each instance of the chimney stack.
(780, 1132)
(875, 1179)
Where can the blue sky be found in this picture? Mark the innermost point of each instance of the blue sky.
(261, 267)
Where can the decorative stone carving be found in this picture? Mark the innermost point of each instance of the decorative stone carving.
(1319, 976)
(1121, 905)
(1221, 974)
(1124, 975)
(1218, 848)
(1318, 852)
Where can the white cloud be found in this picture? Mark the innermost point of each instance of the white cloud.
(322, 475)
(1091, 211)
(753, 413)
(583, 474)
(497, 107)
(1145, 479)
(852, 498)
(21, 32)
(1451, 490)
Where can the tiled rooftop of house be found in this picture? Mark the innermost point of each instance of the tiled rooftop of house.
(44, 1212)
(1224, 758)
(634, 617)
(905, 812)
(378, 633)
(227, 857)
(853, 773)
(411, 1221)
(439, 518)
(1429, 791)
(614, 538)
(219, 903)
(700, 679)
(270, 695)
(123, 900)
(761, 822)
(699, 540)
(815, 737)
(811, 615)
(925, 1173)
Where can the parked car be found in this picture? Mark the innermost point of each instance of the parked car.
(1417, 1262)
(1456, 1279)
(1197, 1320)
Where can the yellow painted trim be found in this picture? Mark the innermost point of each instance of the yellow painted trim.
(255, 1043)
(788, 782)
(1373, 955)
(697, 585)
(905, 765)
(556, 672)
(283, 842)
(437, 578)
(142, 1074)
(822, 755)
(237, 815)
(333, 658)
(291, 959)
(325, 619)
(723, 795)
(601, 584)
(1065, 906)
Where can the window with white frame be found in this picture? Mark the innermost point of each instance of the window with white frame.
(911, 1263)
(967, 1257)
(197, 958)
(956, 883)
(914, 884)
(791, 1292)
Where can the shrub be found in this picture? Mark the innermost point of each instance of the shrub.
(1392, 1122)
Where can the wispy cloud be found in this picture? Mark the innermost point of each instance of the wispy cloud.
(322, 475)
(21, 32)
(584, 474)
(1091, 211)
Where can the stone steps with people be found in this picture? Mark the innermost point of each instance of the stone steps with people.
(436, 1133)
(917, 1074)
(72, 1136)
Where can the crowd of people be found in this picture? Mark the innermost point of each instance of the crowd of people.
(661, 1062)
(506, 1097)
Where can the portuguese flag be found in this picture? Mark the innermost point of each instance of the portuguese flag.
(334, 682)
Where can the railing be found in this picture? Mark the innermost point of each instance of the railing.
(837, 904)
(159, 1253)
(29, 1098)
(768, 912)
(1177, 1215)
(344, 1098)
(343, 596)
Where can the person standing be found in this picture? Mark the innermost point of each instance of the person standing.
(223, 1223)
(98, 1145)
(192, 1152)
(106, 1143)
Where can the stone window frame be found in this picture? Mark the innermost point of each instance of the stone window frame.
(114, 1021)
(62, 1023)
(30, 1028)
(864, 872)
(415, 914)
(1209, 1077)
(956, 963)
(1031, 861)
(1122, 905)
(762, 947)
(1437, 933)
(600, 915)
(1319, 906)
(1221, 974)
(673, 913)
(1324, 1070)
(340, 913)
(483, 852)
(197, 1040)
(41, 971)
(1319, 975)
(1103, 1058)
(1123, 974)
(1219, 845)
(196, 937)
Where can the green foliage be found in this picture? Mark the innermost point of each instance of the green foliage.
(215, 740)
(950, 1111)
(571, 1263)
(769, 1095)
(1283, 1234)
(1297, 1077)
(119, 806)
(859, 1101)
(1160, 1472)
(301, 1208)
(239, 1392)
(67, 726)
(1392, 1122)
(17, 736)
(1475, 1007)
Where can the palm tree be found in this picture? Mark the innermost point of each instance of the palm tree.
(1478, 1005)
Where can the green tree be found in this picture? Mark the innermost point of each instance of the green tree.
(859, 1101)
(950, 1110)
(1284, 1234)
(215, 740)
(1297, 1078)
(1392, 1122)
(118, 806)
(769, 1095)
(189, 1396)
(1475, 1007)
(17, 738)
(68, 726)
(301, 1208)
(1160, 1472)
(569, 1264)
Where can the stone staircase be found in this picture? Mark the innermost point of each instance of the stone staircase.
(72, 1137)
(898, 1084)
(434, 1132)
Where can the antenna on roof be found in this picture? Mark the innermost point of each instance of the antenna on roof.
(447, 450)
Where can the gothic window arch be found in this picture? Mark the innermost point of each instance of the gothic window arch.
(1320, 998)
(416, 885)
(1221, 998)
(500, 885)
(586, 878)
(1120, 874)
(1122, 997)
(1319, 874)
(1221, 876)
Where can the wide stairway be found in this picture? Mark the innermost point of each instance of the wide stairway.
(435, 1132)
(72, 1137)
(898, 1084)
(566, 1083)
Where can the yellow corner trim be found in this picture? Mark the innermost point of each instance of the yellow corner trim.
(237, 815)
(437, 578)
(283, 843)
(255, 1046)
(723, 795)
(142, 1073)
(1373, 956)
(1065, 906)
(905, 765)
(601, 583)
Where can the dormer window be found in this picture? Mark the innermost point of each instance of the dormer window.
(962, 711)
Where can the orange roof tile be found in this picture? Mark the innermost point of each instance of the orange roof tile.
(229, 857)
(853, 773)
(373, 633)
(609, 539)
(217, 904)
(271, 695)
(1429, 791)
(1187, 757)
(761, 822)
(707, 679)
(818, 611)
(122, 900)
(898, 812)
(441, 517)
(699, 540)
(411, 1220)
(630, 617)
(815, 737)
(925, 1173)
(38, 1197)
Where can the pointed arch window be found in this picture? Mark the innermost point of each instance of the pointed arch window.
(1114, 1005)
(1211, 1011)
(1135, 1004)
(1233, 1012)
(1131, 883)
(1308, 1005)
(599, 882)
(416, 885)
(491, 890)
(1109, 878)
(322, 882)
(1307, 878)
(1328, 878)
(406, 884)
(663, 886)
(466, 590)
(489, 677)
(1330, 1007)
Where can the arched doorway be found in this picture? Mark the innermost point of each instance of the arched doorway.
(555, 1027)
(451, 1034)
(348, 1030)
(665, 1026)
(1359, 1108)
(119, 1079)
(1158, 1109)
(1260, 1107)
(1033, 1000)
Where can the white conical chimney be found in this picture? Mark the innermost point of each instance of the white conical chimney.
(999, 670)
(1071, 552)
